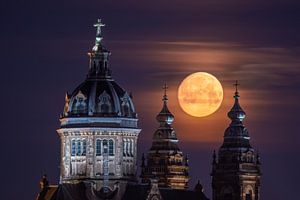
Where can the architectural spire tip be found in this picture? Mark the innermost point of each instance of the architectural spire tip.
(165, 87)
(236, 84)
(99, 37)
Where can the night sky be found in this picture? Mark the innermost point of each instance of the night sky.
(44, 47)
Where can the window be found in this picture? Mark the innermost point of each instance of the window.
(125, 105)
(105, 146)
(104, 108)
(84, 147)
(98, 147)
(111, 147)
(127, 147)
(73, 147)
(104, 105)
(80, 103)
(131, 147)
(124, 147)
(78, 150)
(249, 195)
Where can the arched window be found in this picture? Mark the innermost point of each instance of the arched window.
(248, 192)
(127, 147)
(73, 147)
(125, 105)
(124, 147)
(105, 146)
(104, 105)
(104, 108)
(111, 147)
(131, 147)
(78, 150)
(98, 147)
(80, 103)
(84, 147)
(249, 195)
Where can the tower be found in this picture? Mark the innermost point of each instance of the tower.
(98, 129)
(236, 172)
(165, 161)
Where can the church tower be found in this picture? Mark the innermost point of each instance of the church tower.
(165, 162)
(236, 172)
(98, 130)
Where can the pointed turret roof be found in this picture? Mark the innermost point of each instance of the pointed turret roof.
(236, 135)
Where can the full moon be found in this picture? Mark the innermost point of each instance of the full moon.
(200, 94)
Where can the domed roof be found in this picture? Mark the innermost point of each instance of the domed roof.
(100, 98)
(99, 95)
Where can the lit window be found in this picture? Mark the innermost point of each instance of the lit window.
(111, 147)
(98, 147)
(131, 147)
(105, 146)
(84, 147)
(124, 147)
(73, 147)
(78, 150)
(127, 147)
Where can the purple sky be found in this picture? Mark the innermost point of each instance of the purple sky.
(44, 54)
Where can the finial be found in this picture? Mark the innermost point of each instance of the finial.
(236, 84)
(99, 37)
(165, 87)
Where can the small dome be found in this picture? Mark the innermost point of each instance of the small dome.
(236, 114)
(100, 98)
(165, 116)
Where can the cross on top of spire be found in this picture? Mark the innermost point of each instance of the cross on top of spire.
(165, 87)
(236, 84)
(99, 37)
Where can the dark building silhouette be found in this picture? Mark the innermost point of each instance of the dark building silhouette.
(236, 171)
(165, 161)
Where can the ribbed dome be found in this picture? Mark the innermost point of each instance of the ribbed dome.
(100, 98)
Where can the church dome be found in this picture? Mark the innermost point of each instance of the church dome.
(99, 95)
(100, 98)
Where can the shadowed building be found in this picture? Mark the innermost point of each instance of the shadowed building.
(165, 161)
(236, 171)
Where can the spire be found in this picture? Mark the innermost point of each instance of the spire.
(236, 114)
(165, 117)
(99, 56)
(236, 135)
(165, 97)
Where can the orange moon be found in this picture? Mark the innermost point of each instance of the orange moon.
(200, 94)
